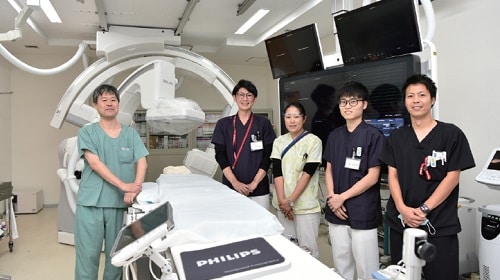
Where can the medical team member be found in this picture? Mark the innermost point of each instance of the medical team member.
(424, 162)
(114, 170)
(296, 157)
(352, 176)
(243, 144)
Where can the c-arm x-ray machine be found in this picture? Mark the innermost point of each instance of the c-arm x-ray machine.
(151, 86)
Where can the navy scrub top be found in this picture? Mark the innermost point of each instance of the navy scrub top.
(249, 161)
(364, 210)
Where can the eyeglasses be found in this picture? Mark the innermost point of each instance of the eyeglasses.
(241, 95)
(352, 102)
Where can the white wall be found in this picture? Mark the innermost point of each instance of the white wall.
(5, 123)
(34, 142)
(468, 68)
(466, 40)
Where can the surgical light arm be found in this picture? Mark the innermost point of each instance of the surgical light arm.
(20, 20)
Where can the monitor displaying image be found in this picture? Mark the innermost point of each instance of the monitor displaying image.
(386, 125)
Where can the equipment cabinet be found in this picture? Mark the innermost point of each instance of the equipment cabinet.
(167, 149)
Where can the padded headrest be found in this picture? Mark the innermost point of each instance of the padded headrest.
(71, 144)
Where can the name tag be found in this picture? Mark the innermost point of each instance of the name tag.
(352, 163)
(256, 146)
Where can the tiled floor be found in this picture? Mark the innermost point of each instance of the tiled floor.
(38, 255)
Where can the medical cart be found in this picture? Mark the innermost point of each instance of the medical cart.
(6, 194)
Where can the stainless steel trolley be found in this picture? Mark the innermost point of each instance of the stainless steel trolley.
(6, 194)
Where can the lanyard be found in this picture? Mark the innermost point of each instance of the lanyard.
(285, 150)
(237, 155)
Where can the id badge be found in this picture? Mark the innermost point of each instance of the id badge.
(256, 146)
(352, 163)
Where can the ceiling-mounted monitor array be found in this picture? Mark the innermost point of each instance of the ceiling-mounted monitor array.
(295, 52)
(382, 29)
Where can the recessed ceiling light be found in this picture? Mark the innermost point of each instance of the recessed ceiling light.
(252, 21)
(49, 11)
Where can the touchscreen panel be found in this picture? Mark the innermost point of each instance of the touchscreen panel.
(494, 163)
(142, 226)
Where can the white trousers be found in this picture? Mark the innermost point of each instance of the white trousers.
(355, 252)
(262, 200)
(304, 228)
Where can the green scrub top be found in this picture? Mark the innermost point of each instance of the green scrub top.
(118, 154)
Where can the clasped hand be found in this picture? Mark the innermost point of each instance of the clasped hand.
(244, 189)
(413, 217)
(336, 204)
(131, 191)
(286, 209)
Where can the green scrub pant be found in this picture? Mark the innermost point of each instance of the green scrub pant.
(92, 226)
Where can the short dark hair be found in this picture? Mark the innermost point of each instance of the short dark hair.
(421, 79)
(245, 84)
(297, 105)
(354, 89)
(104, 88)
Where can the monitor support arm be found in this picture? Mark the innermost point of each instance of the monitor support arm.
(167, 272)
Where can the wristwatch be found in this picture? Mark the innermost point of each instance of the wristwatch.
(290, 203)
(424, 208)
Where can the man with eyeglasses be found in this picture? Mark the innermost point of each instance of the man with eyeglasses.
(243, 145)
(352, 176)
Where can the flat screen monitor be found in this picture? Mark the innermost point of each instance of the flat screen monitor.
(135, 237)
(382, 29)
(295, 52)
(317, 93)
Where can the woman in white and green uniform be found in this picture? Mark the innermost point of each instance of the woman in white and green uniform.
(296, 157)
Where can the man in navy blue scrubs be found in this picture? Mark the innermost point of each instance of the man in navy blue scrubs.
(243, 145)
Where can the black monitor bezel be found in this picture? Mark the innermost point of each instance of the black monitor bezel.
(316, 61)
(121, 240)
(398, 13)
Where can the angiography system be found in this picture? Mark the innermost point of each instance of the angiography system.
(150, 86)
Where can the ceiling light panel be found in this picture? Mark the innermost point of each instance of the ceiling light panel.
(252, 21)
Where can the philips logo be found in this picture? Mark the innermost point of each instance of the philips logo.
(227, 258)
(168, 82)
